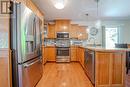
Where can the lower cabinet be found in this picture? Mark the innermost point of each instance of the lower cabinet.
(50, 53)
(44, 55)
(73, 53)
(80, 55)
(110, 69)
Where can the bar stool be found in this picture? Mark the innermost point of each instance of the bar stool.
(127, 56)
(127, 62)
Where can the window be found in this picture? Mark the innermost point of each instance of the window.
(3, 40)
(111, 36)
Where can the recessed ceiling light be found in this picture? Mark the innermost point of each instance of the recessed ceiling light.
(59, 5)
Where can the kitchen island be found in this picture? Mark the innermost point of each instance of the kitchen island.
(109, 66)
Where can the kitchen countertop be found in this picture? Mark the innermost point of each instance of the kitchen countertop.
(107, 49)
(48, 46)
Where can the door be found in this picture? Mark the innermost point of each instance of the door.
(51, 31)
(89, 63)
(63, 52)
(118, 69)
(62, 25)
(50, 53)
(28, 34)
(111, 36)
(73, 31)
(30, 73)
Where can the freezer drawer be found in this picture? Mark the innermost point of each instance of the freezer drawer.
(30, 73)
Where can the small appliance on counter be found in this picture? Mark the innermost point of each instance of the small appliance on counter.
(63, 47)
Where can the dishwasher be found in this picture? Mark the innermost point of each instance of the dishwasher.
(89, 64)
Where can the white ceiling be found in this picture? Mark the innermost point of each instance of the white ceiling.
(76, 10)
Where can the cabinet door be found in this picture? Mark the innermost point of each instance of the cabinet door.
(62, 25)
(85, 34)
(73, 31)
(82, 33)
(82, 57)
(45, 55)
(51, 31)
(102, 69)
(50, 53)
(110, 69)
(73, 54)
(79, 54)
(118, 69)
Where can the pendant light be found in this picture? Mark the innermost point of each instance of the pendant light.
(98, 22)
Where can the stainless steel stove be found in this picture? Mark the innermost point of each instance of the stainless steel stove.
(63, 47)
(63, 54)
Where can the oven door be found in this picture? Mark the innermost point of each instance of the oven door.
(63, 54)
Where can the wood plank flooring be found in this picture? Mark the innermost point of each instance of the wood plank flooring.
(64, 75)
(67, 75)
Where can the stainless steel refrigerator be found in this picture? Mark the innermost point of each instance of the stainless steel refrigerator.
(26, 46)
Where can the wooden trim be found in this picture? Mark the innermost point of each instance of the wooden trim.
(30, 4)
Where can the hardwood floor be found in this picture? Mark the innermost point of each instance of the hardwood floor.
(67, 75)
(64, 75)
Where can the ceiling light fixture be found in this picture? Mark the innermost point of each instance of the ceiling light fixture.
(98, 22)
(59, 4)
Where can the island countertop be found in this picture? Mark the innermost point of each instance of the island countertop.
(103, 49)
(109, 65)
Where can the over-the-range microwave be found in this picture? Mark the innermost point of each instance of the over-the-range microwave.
(62, 35)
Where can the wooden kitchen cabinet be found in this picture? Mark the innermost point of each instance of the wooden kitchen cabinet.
(44, 56)
(82, 33)
(80, 55)
(50, 53)
(51, 31)
(110, 69)
(73, 31)
(62, 26)
(73, 53)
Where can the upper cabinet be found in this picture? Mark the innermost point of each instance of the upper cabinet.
(62, 26)
(82, 33)
(51, 31)
(73, 31)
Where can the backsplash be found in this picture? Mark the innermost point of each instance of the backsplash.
(52, 42)
(49, 42)
(76, 42)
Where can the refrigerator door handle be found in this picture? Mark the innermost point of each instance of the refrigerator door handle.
(30, 64)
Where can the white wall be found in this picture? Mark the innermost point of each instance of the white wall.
(125, 33)
(124, 27)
